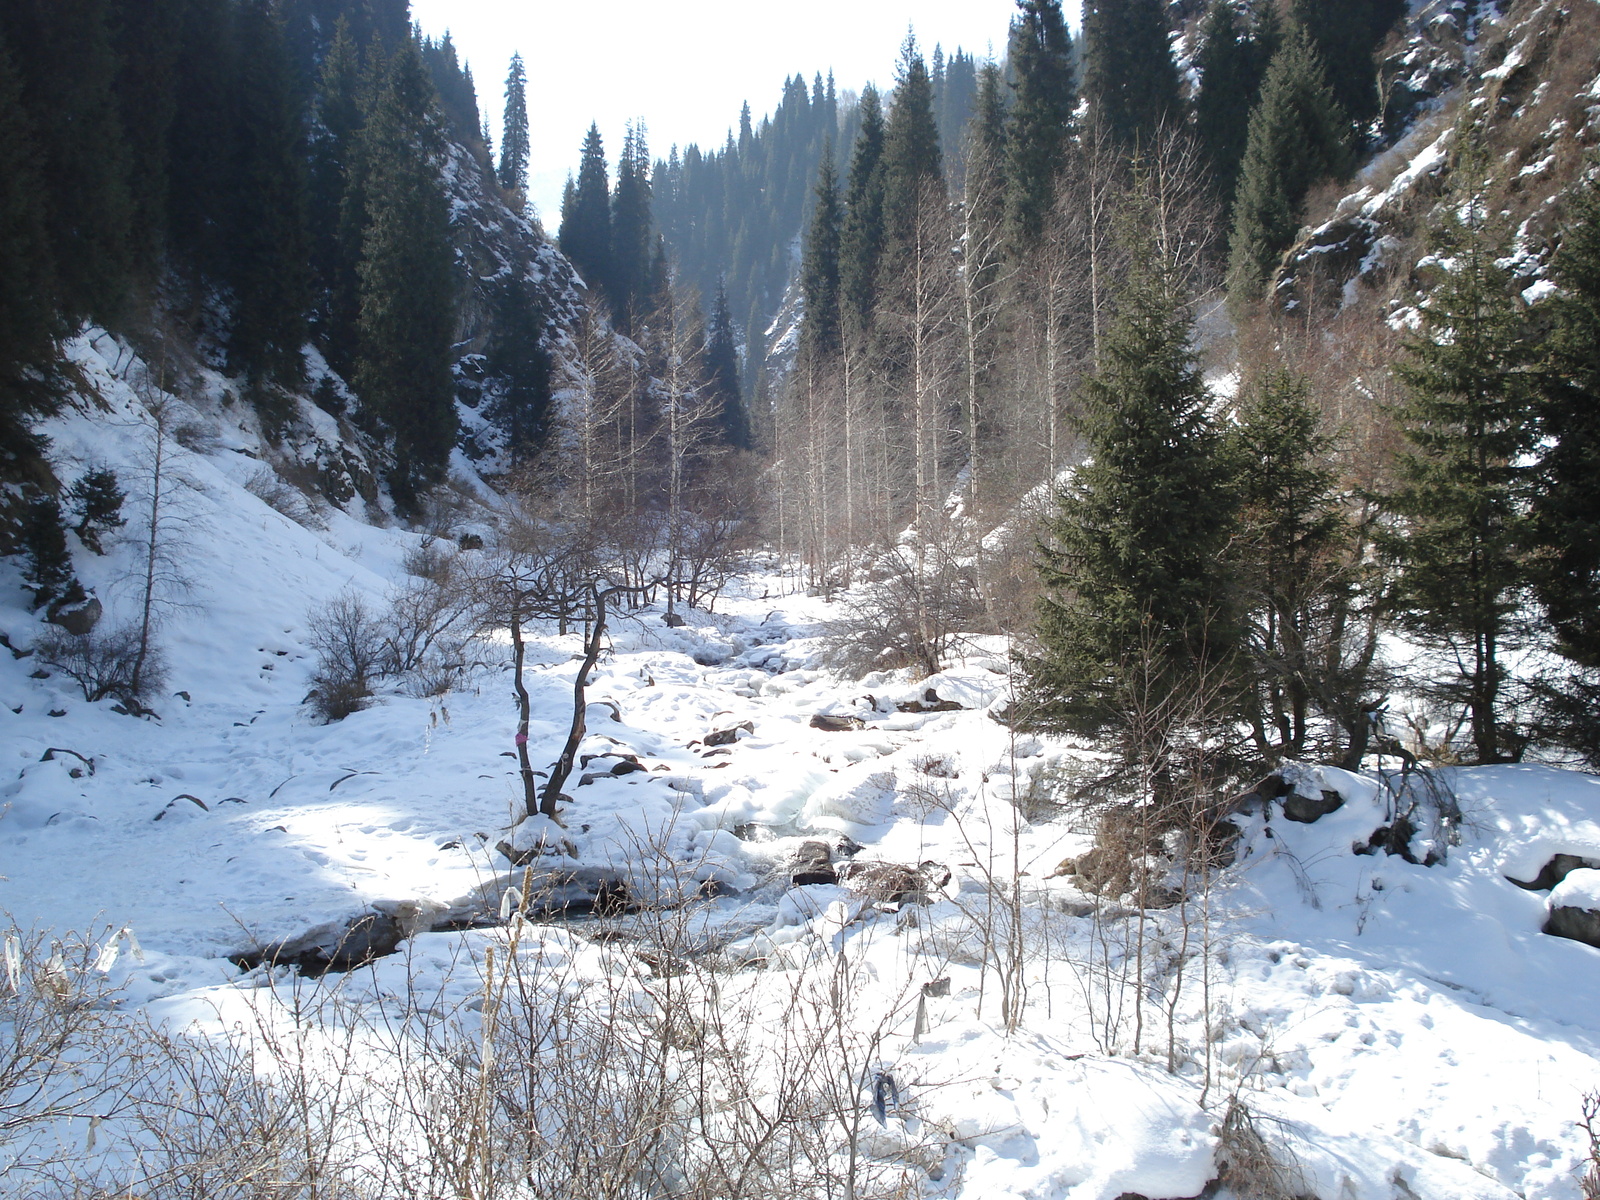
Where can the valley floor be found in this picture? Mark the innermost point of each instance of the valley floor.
(1346, 1027)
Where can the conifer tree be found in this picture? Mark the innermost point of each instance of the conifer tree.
(1345, 36)
(62, 53)
(199, 141)
(1230, 70)
(48, 571)
(632, 243)
(1464, 480)
(1137, 607)
(911, 156)
(722, 378)
(269, 239)
(820, 332)
(861, 239)
(1129, 77)
(407, 278)
(1041, 118)
(585, 235)
(28, 324)
(518, 366)
(146, 37)
(337, 204)
(1298, 136)
(514, 139)
(1297, 565)
(1567, 508)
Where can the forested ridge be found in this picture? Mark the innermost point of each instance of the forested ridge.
(1069, 291)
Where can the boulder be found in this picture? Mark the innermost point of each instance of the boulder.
(1556, 871)
(727, 737)
(1575, 907)
(930, 703)
(1306, 809)
(833, 723)
(336, 946)
(812, 863)
(672, 620)
(77, 618)
(1577, 924)
(894, 883)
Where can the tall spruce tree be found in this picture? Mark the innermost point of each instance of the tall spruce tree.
(911, 156)
(1231, 69)
(861, 240)
(337, 204)
(1567, 508)
(1129, 77)
(518, 366)
(821, 333)
(585, 235)
(1041, 118)
(199, 140)
(722, 378)
(407, 278)
(632, 240)
(514, 138)
(28, 322)
(62, 53)
(268, 238)
(146, 39)
(1298, 136)
(1465, 482)
(1291, 559)
(1138, 606)
(1346, 35)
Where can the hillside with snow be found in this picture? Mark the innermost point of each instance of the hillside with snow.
(981, 1017)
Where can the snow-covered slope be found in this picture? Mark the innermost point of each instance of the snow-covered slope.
(1386, 1029)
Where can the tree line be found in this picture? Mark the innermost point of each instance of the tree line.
(264, 176)
(1026, 343)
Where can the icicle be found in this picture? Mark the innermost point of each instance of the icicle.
(510, 902)
(14, 962)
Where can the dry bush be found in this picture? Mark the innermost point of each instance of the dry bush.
(1591, 1126)
(1248, 1164)
(61, 1055)
(912, 613)
(266, 485)
(431, 558)
(348, 641)
(104, 661)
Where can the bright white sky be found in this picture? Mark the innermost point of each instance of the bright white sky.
(685, 66)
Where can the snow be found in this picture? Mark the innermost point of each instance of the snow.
(1541, 289)
(1397, 1030)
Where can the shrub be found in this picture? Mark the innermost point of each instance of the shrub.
(265, 485)
(912, 615)
(103, 662)
(349, 644)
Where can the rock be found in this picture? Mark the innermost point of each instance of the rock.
(894, 883)
(831, 723)
(813, 863)
(336, 946)
(77, 618)
(930, 703)
(1391, 839)
(673, 621)
(1555, 871)
(1305, 810)
(1577, 924)
(727, 737)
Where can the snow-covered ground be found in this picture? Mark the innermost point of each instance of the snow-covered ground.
(1389, 1030)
